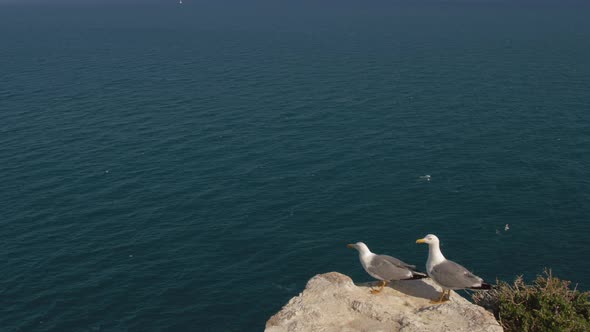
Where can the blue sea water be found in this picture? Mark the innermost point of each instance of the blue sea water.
(189, 168)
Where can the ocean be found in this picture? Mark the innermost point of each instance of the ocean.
(189, 167)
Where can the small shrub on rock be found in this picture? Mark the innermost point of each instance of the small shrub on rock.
(548, 304)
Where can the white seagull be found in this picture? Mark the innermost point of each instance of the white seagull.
(385, 268)
(448, 274)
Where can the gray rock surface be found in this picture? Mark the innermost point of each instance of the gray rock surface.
(332, 302)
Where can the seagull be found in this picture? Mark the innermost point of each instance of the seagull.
(506, 228)
(448, 274)
(385, 268)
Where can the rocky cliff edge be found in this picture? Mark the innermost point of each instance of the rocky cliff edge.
(332, 302)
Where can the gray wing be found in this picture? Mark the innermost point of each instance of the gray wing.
(384, 269)
(454, 276)
(397, 262)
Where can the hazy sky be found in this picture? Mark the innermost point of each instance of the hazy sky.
(326, 4)
(85, 1)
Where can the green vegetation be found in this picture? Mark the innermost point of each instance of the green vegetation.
(548, 304)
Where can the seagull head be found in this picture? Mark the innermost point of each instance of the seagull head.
(428, 239)
(360, 246)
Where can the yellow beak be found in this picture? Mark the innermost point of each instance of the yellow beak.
(350, 245)
(420, 241)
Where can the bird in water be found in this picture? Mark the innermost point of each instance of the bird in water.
(385, 268)
(426, 177)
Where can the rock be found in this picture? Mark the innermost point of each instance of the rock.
(332, 302)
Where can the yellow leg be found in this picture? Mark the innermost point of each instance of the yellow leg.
(382, 284)
(441, 299)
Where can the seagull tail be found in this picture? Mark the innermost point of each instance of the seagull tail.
(417, 275)
(484, 285)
